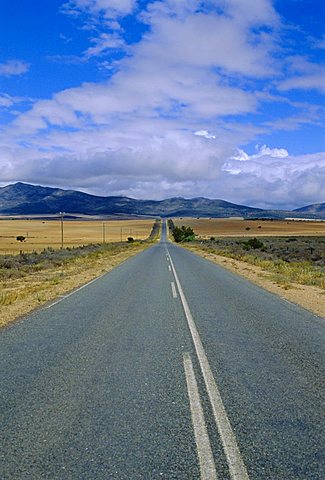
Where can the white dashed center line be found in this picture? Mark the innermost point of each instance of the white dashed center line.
(206, 461)
(235, 462)
(173, 289)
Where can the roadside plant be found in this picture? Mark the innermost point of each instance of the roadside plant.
(183, 234)
(253, 243)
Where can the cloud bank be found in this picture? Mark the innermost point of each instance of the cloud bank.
(171, 118)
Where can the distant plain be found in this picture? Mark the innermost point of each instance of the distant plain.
(42, 234)
(226, 227)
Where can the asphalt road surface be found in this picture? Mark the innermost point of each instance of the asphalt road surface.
(168, 367)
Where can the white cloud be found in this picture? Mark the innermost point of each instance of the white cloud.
(204, 133)
(252, 11)
(109, 9)
(209, 40)
(306, 75)
(272, 181)
(6, 100)
(9, 101)
(263, 151)
(305, 82)
(103, 43)
(13, 67)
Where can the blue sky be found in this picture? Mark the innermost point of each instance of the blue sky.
(152, 99)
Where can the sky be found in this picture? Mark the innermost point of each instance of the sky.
(157, 99)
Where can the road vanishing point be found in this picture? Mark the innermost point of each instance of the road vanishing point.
(167, 367)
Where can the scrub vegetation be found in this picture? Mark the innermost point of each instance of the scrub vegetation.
(293, 259)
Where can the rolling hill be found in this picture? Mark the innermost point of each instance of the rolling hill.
(24, 199)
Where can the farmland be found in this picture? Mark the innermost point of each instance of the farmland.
(225, 227)
(42, 234)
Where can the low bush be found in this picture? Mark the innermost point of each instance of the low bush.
(183, 234)
(253, 243)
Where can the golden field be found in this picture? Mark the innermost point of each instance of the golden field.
(225, 227)
(42, 234)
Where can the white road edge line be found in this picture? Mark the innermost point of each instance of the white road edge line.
(236, 465)
(204, 451)
(174, 289)
(63, 297)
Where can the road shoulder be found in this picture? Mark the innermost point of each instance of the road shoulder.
(23, 295)
(308, 297)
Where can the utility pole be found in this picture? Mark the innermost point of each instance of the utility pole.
(121, 234)
(62, 215)
(104, 236)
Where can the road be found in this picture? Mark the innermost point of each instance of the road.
(166, 367)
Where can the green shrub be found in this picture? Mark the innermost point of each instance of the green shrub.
(253, 243)
(183, 233)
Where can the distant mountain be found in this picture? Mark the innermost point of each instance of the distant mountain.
(315, 209)
(24, 199)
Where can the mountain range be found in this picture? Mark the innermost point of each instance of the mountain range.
(24, 199)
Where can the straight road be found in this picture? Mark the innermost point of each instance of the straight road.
(167, 367)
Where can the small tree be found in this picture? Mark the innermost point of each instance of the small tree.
(177, 234)
(20, 238)
(183, 234)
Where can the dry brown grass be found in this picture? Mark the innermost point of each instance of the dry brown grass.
(21, 295)
(224, 227)
(42, 234)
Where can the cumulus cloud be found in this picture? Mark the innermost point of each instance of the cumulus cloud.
(13, 67)
(274, 181)
(261, 151)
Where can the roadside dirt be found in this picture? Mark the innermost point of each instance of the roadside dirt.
(309, 297)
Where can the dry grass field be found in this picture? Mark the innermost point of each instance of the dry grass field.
(40, 234)
(224, 227)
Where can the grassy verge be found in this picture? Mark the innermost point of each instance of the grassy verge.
(29, 280)
(287, 260)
